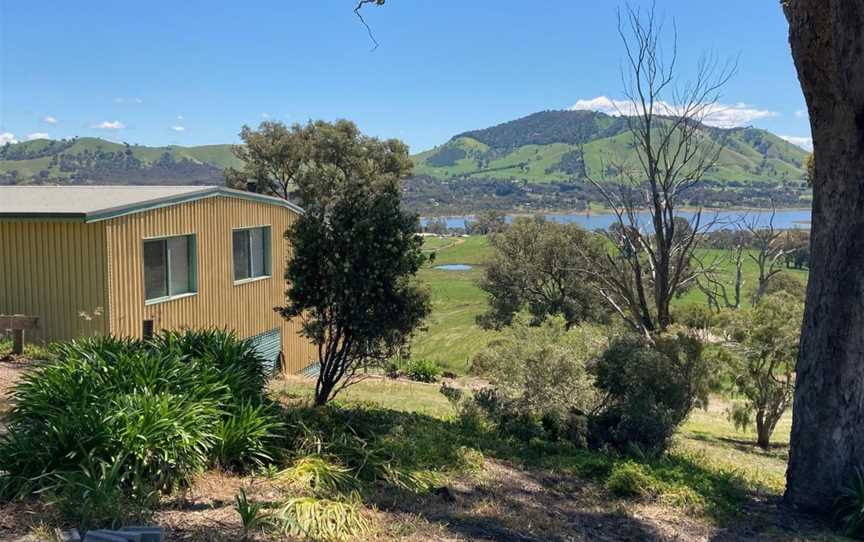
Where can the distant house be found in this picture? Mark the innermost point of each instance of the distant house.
(131, 261)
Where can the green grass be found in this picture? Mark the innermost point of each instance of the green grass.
(712, 469)
(31, 350)
(451, 337)
(398, 395)
(750, 274)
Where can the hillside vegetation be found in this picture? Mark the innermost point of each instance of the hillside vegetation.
(89, 160)
(565, 145)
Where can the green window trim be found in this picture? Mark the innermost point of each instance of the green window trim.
(251, 253)
(159, 283)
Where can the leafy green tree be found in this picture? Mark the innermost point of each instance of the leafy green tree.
(539, 265)
(437, 226)
(488, 222)
(764, 348)
(273, 157)
(355, 254)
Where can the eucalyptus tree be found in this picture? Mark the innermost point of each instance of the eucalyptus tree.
(827, 438)
(355, 252)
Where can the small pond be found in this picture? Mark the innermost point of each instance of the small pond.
(454, 267)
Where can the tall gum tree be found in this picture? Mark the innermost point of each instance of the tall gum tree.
(827, 444)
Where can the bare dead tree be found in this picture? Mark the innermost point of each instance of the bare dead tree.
(720, 293)
(769, 251)
(674, 150)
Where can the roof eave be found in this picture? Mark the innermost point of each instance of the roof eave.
(215, 191)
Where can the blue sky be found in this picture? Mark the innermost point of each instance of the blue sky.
(194, 72)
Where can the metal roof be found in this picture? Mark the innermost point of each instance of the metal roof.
(95, 203)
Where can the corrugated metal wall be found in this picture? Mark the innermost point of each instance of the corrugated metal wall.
(58, 272)
(246, 308)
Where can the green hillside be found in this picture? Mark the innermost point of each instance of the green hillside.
(538, 162)
(565, 145)
(89, 160)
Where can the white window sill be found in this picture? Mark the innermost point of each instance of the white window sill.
(253, 279)
(159, 300)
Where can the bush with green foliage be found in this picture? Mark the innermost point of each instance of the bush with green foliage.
(423, 370)
(538, 266)
(693, 316)
(139, 417)
(762, 353)
(850, 505)
(648, 390)
(540, 378)
(629, 479)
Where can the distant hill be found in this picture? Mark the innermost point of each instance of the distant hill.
(563, 145)
(536, 162)
(89, 160)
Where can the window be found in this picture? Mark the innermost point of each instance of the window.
(251, 253)
(169, 267)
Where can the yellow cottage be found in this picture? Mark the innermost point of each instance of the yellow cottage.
(131, 261)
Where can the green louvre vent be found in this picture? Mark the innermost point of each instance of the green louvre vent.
(269, 345)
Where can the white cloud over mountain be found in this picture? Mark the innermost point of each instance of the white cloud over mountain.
(110, 125)
(804, 142)
(720, 115)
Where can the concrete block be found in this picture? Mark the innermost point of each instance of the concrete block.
(72, 535)
(148, 534)
(103, 536)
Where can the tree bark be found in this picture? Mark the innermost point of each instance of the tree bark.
(827, 40)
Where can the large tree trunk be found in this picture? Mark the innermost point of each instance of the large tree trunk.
(827, 39)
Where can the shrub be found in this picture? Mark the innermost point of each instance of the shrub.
(323, 519)
(649, 390)
(539, 376)
(382, 448)
(248, 437)
(93, 494)
(630, 479)
(422, 370)
(252, 516)
(694, 316)
(850, 505)
(156, 412)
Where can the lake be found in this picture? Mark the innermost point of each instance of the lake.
(719, 219)
(454, 267)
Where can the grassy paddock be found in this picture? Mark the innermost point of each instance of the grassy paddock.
(451, 337)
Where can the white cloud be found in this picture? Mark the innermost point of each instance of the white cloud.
(178, 128)
(50, 120)
(7, 137)
(37, 135)
(720, 115)
(801, 113)
(121, 100)
(265, 115)
(110, 125)
(804, 142)
(179, 117)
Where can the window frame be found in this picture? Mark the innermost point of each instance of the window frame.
(268, 254)
(192, 250)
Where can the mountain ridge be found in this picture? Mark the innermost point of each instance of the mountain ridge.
(565, 145)
(537, 149)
